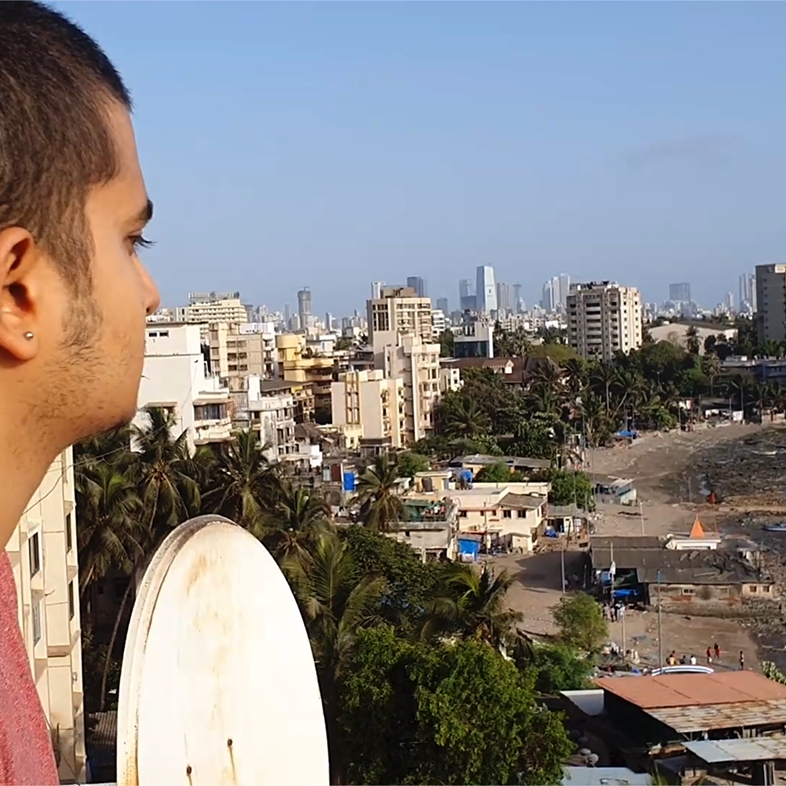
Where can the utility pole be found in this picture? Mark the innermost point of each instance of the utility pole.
(562, 562)
(660, 630)
(641, 516)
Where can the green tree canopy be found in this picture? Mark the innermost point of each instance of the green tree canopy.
(557, 668)
(448, 713)
(409, 464)
(567, 487)
(495, 473)
(580, 622)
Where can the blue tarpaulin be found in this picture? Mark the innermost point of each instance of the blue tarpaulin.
(469, 548)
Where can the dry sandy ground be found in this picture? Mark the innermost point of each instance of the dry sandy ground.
(660, 464)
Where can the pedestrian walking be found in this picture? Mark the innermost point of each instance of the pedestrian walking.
(717, 652)
(742, 660)
(709, 656)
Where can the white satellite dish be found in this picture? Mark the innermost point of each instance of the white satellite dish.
(218, 684)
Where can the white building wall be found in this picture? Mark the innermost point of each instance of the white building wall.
(43, 554)
(175, 377)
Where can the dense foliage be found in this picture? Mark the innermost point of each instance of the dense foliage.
(563, 402)
(408, 654)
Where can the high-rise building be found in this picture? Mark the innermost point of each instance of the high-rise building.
(771, 302)
(399, 310)
(376, 289)
(517, 298)
(604, 318)
(304, 307)
(747, 293)
(418, 284)
(467, 299)
(442, 305)
(486, 290)
(679, 293)
(564, 290)
(504, 298)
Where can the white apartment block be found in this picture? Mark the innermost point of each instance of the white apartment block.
(272, 415)
(175, 378)
(205, 312)
(604, 318)
(369, 405)
(43, 554)
(439, 322)
(238, 350)
(416, 362)
(771, 302)
(398, 309)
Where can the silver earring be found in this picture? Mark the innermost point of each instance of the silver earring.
(29, 336)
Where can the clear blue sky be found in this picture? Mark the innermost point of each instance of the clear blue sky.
(331, 145)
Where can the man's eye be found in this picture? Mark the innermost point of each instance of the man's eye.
(138, 242)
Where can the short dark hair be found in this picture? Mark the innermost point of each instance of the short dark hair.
(56, 85)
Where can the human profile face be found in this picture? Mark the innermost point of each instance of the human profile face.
(71, 356)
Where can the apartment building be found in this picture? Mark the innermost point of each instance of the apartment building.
(238, 350)
(43, 554)
(175, 378)
(206, 308)
(308, 365)
(399, 310)
(416, 362)
(771, 303)
(369, 405)
(604, 318)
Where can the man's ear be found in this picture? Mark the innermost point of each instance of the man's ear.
(20, 293)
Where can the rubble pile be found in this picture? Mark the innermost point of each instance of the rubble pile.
(751, 470)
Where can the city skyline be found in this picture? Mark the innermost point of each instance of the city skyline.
(336, 144)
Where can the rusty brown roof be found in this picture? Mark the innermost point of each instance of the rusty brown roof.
(722, 716)
(695, 690)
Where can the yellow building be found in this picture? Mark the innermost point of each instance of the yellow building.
(43, 554)
(297, 363)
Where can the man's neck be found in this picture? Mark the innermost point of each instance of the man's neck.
(22, 468)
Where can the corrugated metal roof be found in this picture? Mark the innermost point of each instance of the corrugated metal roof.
(604, 776)
(590, 702)
(721, 716)
(720, 751)
(688, 690)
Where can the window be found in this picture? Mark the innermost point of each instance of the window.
(462, 514)
(37, 623)
(688, 591)
(71, 601)
(754, 589)
(507, 514)
(34, 553)
(69, 533)
(164, 334)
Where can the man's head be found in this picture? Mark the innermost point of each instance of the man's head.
(73, 204)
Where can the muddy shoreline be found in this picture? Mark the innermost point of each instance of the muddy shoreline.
(748, 477)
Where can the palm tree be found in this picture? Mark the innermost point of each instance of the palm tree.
(244, 486)
(575, 375)
(462, 417)
(165, 472)
(110, 532)
(692, 340)
(380, 504)
(300, 516)
(336, 604)
(475, 607)
(603, 376)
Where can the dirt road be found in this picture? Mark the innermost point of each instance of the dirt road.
(667, 470)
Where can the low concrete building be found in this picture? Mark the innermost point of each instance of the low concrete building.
(430, 527)
(646, 570)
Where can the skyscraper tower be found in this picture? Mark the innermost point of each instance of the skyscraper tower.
(418, 284)
(517, 298)
(304, 306)
(486, 289)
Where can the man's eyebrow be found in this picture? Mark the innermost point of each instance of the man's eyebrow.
(144, 215)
